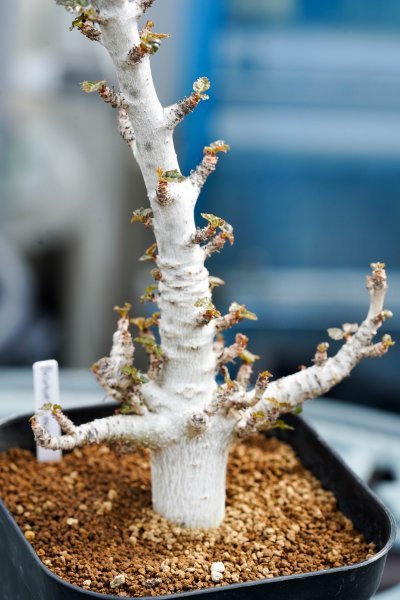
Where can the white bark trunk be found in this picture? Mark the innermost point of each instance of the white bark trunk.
(188, 481)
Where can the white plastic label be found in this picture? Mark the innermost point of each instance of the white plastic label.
(46, 389)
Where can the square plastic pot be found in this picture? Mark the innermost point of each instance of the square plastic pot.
(24, 577)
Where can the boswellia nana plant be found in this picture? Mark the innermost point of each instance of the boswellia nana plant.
(177, 409)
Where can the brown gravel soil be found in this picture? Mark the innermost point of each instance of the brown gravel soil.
(90, 521)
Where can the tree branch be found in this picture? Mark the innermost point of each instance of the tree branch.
(287, 393)
(116, 373)
(177, 112)
(199, 176)
(237, 312)
(151, 431)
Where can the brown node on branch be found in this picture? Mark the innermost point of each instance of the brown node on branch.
(246, 368)
(147, 339)
(149, 43)
(198, 423)
(261, 385)
(150, 254)
(379, 349)
(208, 164)
(234, 350)
(143, 215)
(237, 312)
(86, 21)
(109, 95)
(377, 279)
(155, 355)
(149, 294)
(136, 54)
(125, 127)
(163, 195)
(211, 231)
(209, 311)
(145, 323)
(382, 316)
(116, 372)
(187, 105)
(321, 354)
(156, 274)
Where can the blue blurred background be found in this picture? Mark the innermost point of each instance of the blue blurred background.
(308, 96)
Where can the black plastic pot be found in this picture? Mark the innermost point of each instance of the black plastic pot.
(24, 577)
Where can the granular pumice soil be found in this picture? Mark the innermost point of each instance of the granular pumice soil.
(89, 518)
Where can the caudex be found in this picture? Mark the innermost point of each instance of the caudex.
(177, 409)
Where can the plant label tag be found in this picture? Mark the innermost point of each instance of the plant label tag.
(46, 390)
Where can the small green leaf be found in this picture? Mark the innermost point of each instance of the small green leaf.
(201, 85)
(150, 40)
(150, 253)
(215, 282)
(148, 295)
(322, 347)
(387, 341)
(335, 333)
(248, 357)
(92, 86)
(135, 374)
(150, 344)
(173, 176)
(126, 409)
(217, 146)
(259, 415)
(142, 215)
(204, 303)
(123, 311)
(242, 311)
(214, 221)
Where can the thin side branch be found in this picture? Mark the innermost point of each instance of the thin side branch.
(106, 93)
(288, 393)
(237, 312)
(199, 176)
(232, 352)
(151, 431)
(246, 368)
(116, 373)
(177, 112)
(216, 239)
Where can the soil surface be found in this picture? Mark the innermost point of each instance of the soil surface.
(90, 521)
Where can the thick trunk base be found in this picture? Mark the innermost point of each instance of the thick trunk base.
(188, 482)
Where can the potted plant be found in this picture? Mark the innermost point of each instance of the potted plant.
(177, 409)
